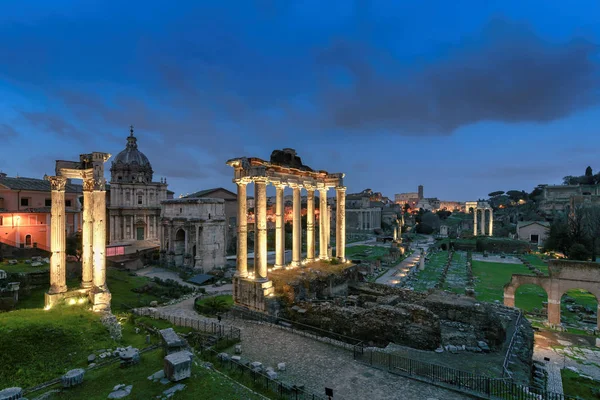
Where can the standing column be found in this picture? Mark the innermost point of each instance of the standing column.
(242, 231)
(482, 227)
(58, 260)
(279, 227)
(322, 223)
(296, 227)
(328, 231)
(491, 228)
(310, 224)
(87, 234)
(99, 235)
(260, 208)
(474, 222)
(340, 225)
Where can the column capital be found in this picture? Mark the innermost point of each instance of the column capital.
(323, 190)
(260, 179)
(57, 182)
(309, 188)
(340, 188)
(242, 181)
(99, 184)
(88, 185)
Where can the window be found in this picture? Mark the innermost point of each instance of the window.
(1, 221)
(127, 196)
(25, 202)
(68, 203)
(535, 238)
(48, 202)
(139, 199)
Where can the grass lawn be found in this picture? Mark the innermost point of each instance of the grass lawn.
(537, 262)
(119, 283)
(22, 268)
(582, 297)
(583, 388)
(529, 297)
(366, 252)
(38, 345)
(203, 384)
(456, 280)
(490, 278)
(227, 298)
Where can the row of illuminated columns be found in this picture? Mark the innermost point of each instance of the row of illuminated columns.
(93, 237)
(482, 225)
(260, 223)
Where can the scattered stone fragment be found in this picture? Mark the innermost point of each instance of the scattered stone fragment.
(281, 367)
(123, 391)
(238, 349)
(223, 356)
(12, 393)
(178, 366)
(72, 378)
(236, 358)
(256, 366)
(171, 391)
(157, 375)
(91, 358)
(272, 374)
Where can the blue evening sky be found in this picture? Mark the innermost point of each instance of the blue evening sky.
(464, 97)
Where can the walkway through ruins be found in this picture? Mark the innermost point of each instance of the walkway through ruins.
(318, 365)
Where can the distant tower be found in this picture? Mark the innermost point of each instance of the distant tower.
(420, 192)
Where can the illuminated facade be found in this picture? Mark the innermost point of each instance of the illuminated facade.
(25, 205)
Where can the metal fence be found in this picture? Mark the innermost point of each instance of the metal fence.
(505, 371)
(221, 331)
(246, 375)
(482, 386)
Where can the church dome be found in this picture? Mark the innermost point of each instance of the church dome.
(131, 165)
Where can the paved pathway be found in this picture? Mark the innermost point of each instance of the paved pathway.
(390, 278)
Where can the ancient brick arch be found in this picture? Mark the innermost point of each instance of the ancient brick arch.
(563, 276)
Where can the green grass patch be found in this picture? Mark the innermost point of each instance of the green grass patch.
(21, 267)
(161, 324)
(428, 277)
(490, 278)
(120, 283)
(582, 298)
(537, 262)
(203, 384)
(366, 252)
(528, 297)
(577, 386)
(456, 280)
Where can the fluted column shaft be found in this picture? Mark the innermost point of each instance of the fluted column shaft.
(328, 230)
(99, 239)
(58, 260)
(242, 231)
(482, 227)
(491, 228)
(322, 223)
(297, 228)
(475, 222)
(279, 227)
(310, 225)
(340, 225)
(87, 234)
(260, 268)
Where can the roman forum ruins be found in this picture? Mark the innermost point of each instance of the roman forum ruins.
(90, 168)
(285, 169)
(481, 206)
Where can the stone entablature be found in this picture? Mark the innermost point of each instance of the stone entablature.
(285, 169)
(194, 232)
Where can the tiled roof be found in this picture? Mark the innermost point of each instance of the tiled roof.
(38, 185)
(522, 224)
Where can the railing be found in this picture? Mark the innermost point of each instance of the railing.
(478, 385)
(244, 373)
(505, 371)
(220, 330)
(297, 328)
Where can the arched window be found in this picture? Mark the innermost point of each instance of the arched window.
(28, 240)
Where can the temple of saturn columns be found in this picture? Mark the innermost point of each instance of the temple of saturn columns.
(285, 169)
(482, 207)
(90, 168)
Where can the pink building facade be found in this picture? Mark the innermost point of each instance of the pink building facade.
(25, 211)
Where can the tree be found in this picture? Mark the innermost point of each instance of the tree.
(588, 179)
(515, 195)
(406, 207)
(74, 246)
(592, 227)
(497, 193)
(571, 180)
(578, 252)
(589, 172)
(558, 237)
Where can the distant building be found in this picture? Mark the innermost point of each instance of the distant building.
(420, 193)
(534, 232)
(558, 197)
(25, 205)
(231, 205)
(194, 233)
(407, 198)
(134, 210)
(363, 214)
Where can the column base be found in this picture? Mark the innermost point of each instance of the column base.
(295, 264)
(100, 299)
(55, 290)
(68, 297)
(277, 266)
(86, 285)
(252, 293)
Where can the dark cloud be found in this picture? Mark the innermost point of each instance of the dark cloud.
(7, 133)
(52, 123)
(508, 74)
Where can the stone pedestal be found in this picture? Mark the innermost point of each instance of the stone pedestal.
(100, 300)
(252, 294)
(178, 366)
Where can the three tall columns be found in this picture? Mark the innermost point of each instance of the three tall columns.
(481, 230)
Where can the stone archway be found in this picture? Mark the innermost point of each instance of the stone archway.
(563, 276)
(179, 246)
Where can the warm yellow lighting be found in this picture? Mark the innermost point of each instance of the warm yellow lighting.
(47, 307)
(81, 300)
(72, 301)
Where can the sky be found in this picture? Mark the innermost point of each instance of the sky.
(463, 97)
